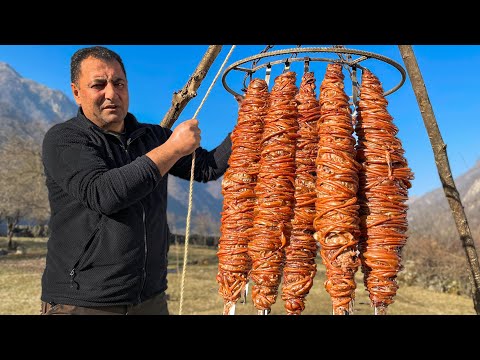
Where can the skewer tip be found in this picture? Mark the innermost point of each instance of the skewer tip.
(229, 308)
(263, 312)
(380, 310)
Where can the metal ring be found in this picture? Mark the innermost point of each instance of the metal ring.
(364, 55)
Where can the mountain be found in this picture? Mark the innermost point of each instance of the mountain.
(434, 256)
(28, 108)
(206, 206)
(24, 100)
(430, 216)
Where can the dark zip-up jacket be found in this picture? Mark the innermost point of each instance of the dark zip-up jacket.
(109, 234)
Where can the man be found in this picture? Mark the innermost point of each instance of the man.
(106, 175)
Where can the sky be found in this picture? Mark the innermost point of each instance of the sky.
(155, 72)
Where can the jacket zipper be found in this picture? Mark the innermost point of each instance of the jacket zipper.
(144, 271)
(82, 255)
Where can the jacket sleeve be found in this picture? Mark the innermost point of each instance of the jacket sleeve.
(209, 165)
(77, 165)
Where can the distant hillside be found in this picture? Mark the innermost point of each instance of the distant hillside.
(25, 100)
(434, 256)
(206, 206)
(430, 215)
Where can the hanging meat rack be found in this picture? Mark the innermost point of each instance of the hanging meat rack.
(351, 58)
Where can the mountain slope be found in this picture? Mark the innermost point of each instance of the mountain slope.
(434, 256)
(206, 206)
(26, 100)
(430, 215)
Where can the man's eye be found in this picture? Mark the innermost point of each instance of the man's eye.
(120, 85)
(98, 86)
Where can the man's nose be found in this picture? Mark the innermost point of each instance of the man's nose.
(110, 91)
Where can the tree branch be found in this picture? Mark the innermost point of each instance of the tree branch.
(189, 91)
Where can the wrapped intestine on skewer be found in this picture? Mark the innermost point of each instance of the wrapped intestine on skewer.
(274, 192)
(300, 267)
(384, 181)
(337, 221)
(238, 195)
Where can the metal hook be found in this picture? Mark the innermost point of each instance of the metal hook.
(337, 50)
(249, 73)
(267, 73)
(306, 65)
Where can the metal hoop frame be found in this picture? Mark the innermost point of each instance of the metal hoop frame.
(354, 63)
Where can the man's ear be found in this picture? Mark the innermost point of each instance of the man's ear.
(76, 94)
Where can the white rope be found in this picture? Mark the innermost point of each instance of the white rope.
(190, 192)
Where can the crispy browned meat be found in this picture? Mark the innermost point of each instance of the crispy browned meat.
(337, 221)
(238, 194)
(384, 183)
(300, 267)
(275, 192)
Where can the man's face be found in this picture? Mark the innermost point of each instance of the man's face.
(102, 92)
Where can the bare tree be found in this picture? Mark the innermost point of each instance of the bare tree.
(23, 194)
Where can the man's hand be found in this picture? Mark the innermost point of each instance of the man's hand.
(185, 137)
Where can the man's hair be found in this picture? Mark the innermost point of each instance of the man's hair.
(97, 52)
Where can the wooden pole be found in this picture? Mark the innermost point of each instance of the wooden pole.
(189, 91)
(443, 166)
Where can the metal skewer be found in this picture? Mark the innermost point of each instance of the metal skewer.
(380, 310)
(244, 294)
(263, 312)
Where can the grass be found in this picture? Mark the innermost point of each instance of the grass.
(20, 277)
(201, 297)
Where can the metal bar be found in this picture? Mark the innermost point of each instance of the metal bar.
(364, 55)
